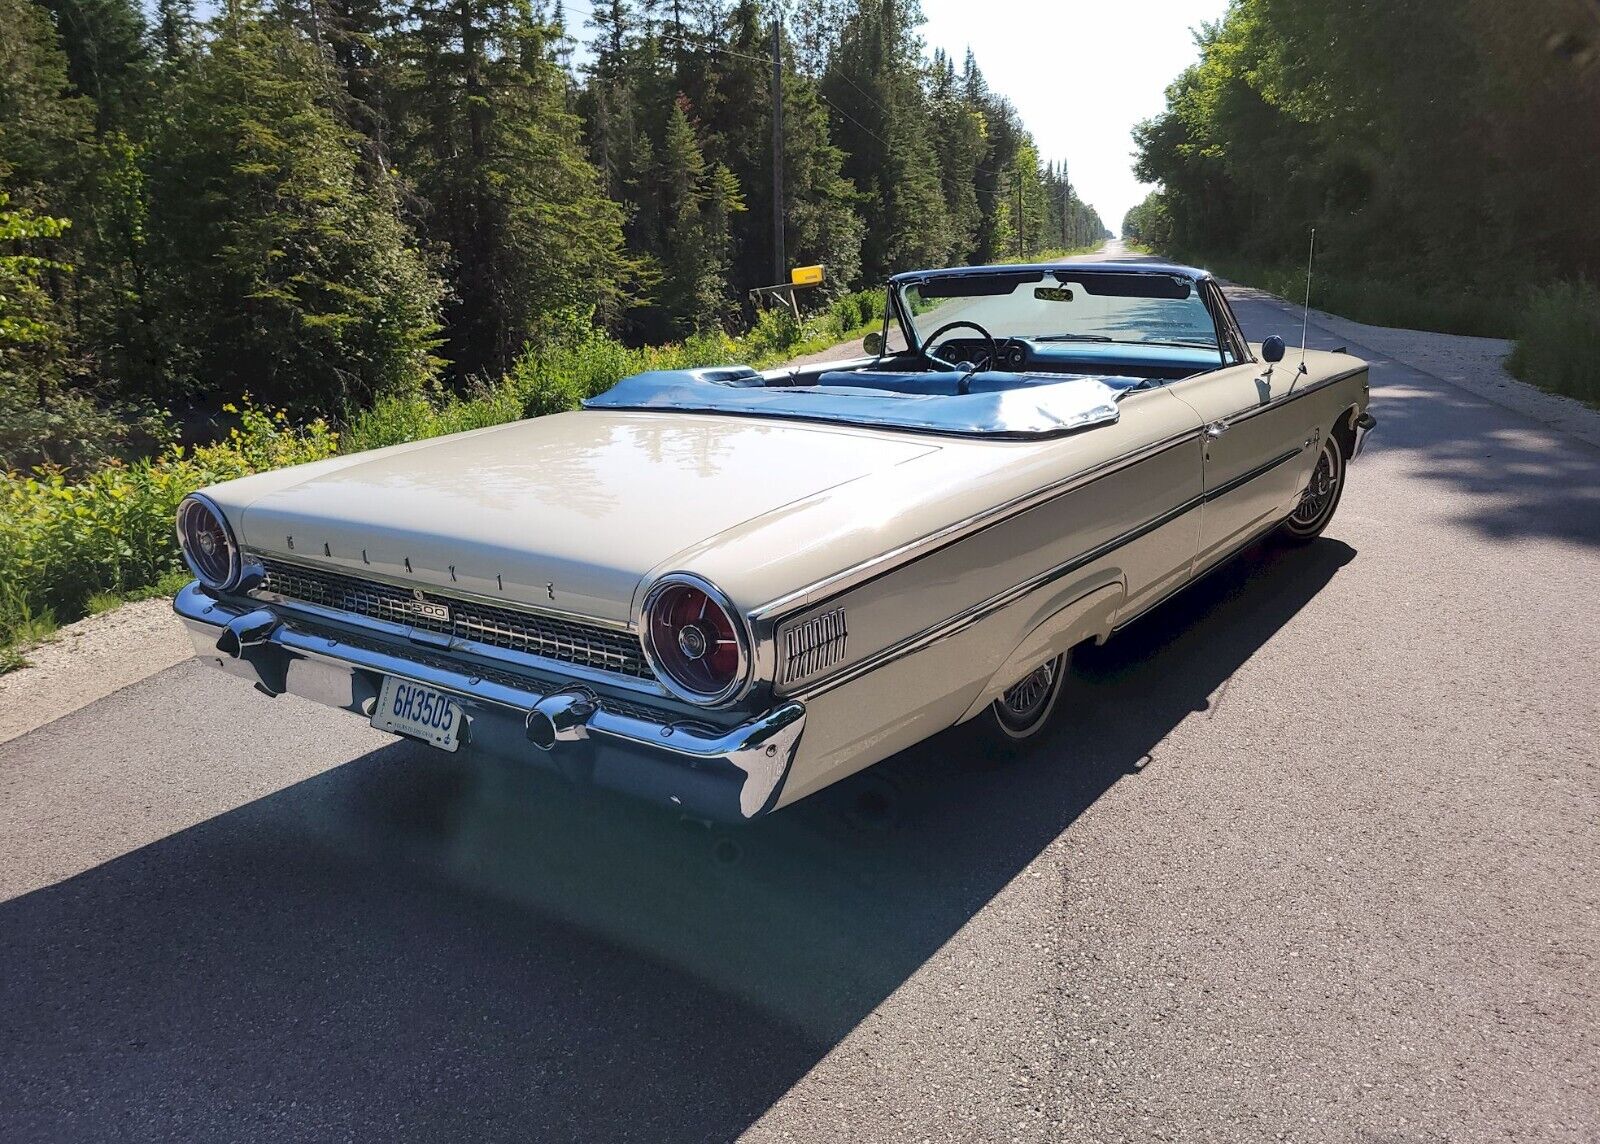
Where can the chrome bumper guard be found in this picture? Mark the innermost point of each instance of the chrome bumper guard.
(728, 776)
(1365, 424)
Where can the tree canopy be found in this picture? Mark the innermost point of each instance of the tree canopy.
(1447, 140)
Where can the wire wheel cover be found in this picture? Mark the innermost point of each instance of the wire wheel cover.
(1320, 492)
(1029, 699)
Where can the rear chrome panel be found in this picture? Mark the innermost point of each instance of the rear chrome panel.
(452, 617)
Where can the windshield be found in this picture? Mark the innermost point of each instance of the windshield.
(1064, 305)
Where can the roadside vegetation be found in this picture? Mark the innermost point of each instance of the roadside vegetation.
(1467, 215)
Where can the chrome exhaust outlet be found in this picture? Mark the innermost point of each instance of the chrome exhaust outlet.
(560, 718)
(246, 631)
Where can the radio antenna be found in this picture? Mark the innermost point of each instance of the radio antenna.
(1305, 315)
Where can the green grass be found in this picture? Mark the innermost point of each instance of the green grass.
(27, 631)
(1558, 340)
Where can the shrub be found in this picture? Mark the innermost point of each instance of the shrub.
(1558, 340)
(63, 541)
(1449, 309)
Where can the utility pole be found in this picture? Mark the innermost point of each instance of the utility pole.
(1022, 244)
(779, 262)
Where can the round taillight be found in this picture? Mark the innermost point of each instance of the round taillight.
(694, 642)
(207, 543)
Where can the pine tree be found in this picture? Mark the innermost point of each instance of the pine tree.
(698, 201)
(960, 142)
(282, 272)
(108, 60)
(881, 119)
(483, 133)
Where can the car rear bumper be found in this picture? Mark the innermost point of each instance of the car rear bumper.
(725, 775)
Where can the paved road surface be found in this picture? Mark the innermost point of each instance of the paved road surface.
(1314, 858)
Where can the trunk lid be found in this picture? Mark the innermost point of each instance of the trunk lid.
(567, 512)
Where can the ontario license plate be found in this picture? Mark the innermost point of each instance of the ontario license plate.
(408, 708)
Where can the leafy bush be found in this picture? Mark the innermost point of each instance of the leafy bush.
(1558, 340)
(63, 541)
(555, 378)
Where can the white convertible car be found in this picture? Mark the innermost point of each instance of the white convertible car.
(723, 590)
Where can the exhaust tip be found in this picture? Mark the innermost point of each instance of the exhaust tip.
(541, 731)
(561, 718)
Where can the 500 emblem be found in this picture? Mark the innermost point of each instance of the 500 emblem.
(426, 609)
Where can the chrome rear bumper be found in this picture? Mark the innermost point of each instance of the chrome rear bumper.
(728, 776)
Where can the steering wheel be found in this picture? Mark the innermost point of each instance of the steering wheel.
(994, 347)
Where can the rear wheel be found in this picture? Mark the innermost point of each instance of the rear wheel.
(1321, 498)
(1025, 708)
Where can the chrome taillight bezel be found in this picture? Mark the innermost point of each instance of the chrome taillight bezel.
(197, 502)
(742, 680)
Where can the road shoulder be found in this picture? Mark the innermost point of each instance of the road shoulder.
(1475, 364)
(89, 660)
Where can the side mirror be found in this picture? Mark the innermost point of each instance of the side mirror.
(1272, 349)
(873, 344)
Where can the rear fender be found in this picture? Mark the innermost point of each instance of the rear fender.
(1087, 617)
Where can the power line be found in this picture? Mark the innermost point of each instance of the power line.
(854, 120)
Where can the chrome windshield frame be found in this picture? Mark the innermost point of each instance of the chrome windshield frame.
(1224, 330)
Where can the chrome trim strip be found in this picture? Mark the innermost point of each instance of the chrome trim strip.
(849, 579)
(1216, 563)
(1223, 490)
(983, 609)
(436, 590)
(513, 659)
(763, 747)
(1294, 395)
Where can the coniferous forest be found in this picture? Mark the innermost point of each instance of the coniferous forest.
(324, 203)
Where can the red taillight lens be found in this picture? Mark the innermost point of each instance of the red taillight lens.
(693, 640)
(207, 544)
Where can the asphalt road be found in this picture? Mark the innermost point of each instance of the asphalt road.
(1313, 856)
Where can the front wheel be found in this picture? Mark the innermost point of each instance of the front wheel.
(1321, 498)
(1025, 708)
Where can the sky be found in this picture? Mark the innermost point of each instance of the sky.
(1081, 73)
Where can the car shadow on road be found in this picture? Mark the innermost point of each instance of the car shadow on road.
(420, 946)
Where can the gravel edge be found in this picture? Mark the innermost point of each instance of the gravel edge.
(89, 660)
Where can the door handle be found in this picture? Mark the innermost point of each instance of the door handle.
(1216, 429)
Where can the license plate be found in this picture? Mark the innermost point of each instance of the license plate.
(408, 708)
